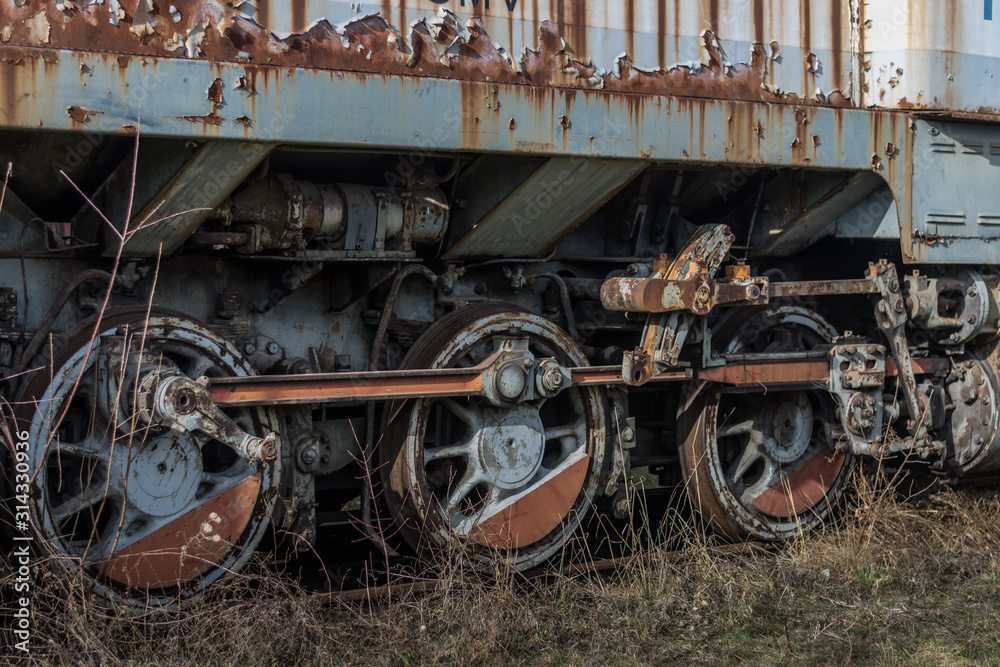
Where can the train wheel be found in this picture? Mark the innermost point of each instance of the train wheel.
(494, 484)
(149, 517)
(757, 465)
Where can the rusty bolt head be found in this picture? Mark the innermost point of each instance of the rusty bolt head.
(971, 291)
(898, 306)
(753, 292)
(628, 434)
(840, 349)
(852, 349)
(971, 319)
(184, 401)
(273, 348)
(954, 337)
(249, 348)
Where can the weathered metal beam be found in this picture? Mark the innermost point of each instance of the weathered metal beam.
(819, 220)
(546, 207)
(385, 385)
(187, 199)
(274, 104)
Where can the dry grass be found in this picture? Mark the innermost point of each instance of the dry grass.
(891, 582)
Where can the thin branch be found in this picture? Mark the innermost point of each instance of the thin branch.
(121, 237)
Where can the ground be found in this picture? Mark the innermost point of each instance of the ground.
(895, 579)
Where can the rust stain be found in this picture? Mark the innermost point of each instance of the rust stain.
(440, 47)
(536, 514)
(215, 91)
(836, 34)
(758, 21)
(207, 119)
(81, 114)
(803, 488)
(184, 549)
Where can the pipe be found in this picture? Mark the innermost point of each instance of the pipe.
(567, 305)
(378, 345)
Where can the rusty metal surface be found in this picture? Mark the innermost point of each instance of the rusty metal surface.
(346, 387)
(932, 55)
(738, 447)
(835, 52)
(386, 385)
(533, 516)
(774, 50)
(189, 545)
(448, 464)
(804, 487)
(456, 115)
(769, 371)
(146, 484)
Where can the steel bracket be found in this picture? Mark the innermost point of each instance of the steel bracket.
(891, 317)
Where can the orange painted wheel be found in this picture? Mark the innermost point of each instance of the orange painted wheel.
(759, 465)
(150, 517)
(505, 484)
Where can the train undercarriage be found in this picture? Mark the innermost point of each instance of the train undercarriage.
(476, 354)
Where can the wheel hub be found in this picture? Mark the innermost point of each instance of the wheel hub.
(510, 444)
(162, 477)
(790, 429)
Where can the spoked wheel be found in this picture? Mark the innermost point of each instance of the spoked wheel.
(505, 484)
(758, 465)
(153, 516)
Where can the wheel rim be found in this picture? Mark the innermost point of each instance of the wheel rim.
(758, 465)
(498, 484)
(151, 517)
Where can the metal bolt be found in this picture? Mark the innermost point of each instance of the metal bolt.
(273, 348)
(628, 434)
(971, 291)
(552, 379)
(851, 349)
(971, 319)
(528, 363)
(309, 455)
(249, 348)
(898, 306)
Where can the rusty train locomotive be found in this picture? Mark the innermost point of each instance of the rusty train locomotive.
(467, 264)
